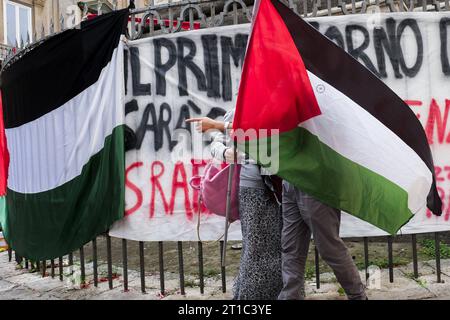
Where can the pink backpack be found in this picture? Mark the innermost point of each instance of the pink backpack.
(213, 189)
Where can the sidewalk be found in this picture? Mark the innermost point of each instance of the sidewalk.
(20, 284)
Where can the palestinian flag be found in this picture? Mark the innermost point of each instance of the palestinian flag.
(4, 160)
(63, 106)
(344, 137)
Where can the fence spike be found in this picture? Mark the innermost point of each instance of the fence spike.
(161, 267)
(437, 253)
(61, 268)
(44, 268)
(222, 266)
(125, 264)
(181, 267)
(414, 255)
(52, 28)
(82, 266)
(200, 267)
(317, 266)
(52, 265)
(142, 265)
(109, 261)
(366, 257)
(85, 11)
(390, 259)
(94, 261)
(99, 7)
(437, 5)
(28, 39)
(61, 21)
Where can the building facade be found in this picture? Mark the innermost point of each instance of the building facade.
(25, 21)
(22, 21)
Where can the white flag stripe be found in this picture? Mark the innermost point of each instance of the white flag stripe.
(355, 134)
(51, 158)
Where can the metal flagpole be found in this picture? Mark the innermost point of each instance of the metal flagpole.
(228, 204)
(233, 165)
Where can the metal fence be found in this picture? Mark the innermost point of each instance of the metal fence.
(175, 16)
(4, 51)
(63, 266)
(179, 16)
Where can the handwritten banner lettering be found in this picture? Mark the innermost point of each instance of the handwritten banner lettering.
(174, 77)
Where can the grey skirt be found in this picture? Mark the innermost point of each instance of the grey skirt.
(259, 275)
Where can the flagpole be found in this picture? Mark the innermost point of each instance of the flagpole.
(228, 202)
(232, 165)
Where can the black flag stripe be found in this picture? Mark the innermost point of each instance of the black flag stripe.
(81, 59)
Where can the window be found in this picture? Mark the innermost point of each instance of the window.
(17, 24)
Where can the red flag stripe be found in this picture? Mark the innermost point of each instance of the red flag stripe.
(4, 155)
(273, 95)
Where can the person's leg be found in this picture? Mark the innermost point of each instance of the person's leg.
(324, 222)
(237, 284)
(260, 265)
(295, 239)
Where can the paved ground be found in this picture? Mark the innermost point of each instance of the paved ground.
(20, 284)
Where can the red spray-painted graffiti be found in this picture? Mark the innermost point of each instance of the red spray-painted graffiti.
(437, 133)
(442, 176)
(133, 188)
(168, 196)
(436, 121)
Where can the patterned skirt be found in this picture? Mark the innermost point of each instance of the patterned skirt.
(259, 275)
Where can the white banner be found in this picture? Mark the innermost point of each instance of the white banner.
(190, 74)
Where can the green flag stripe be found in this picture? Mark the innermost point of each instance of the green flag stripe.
(3, 213)
(50, 224)
(320, 171)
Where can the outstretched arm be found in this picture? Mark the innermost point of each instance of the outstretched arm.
(204, 124)
(219, 148)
